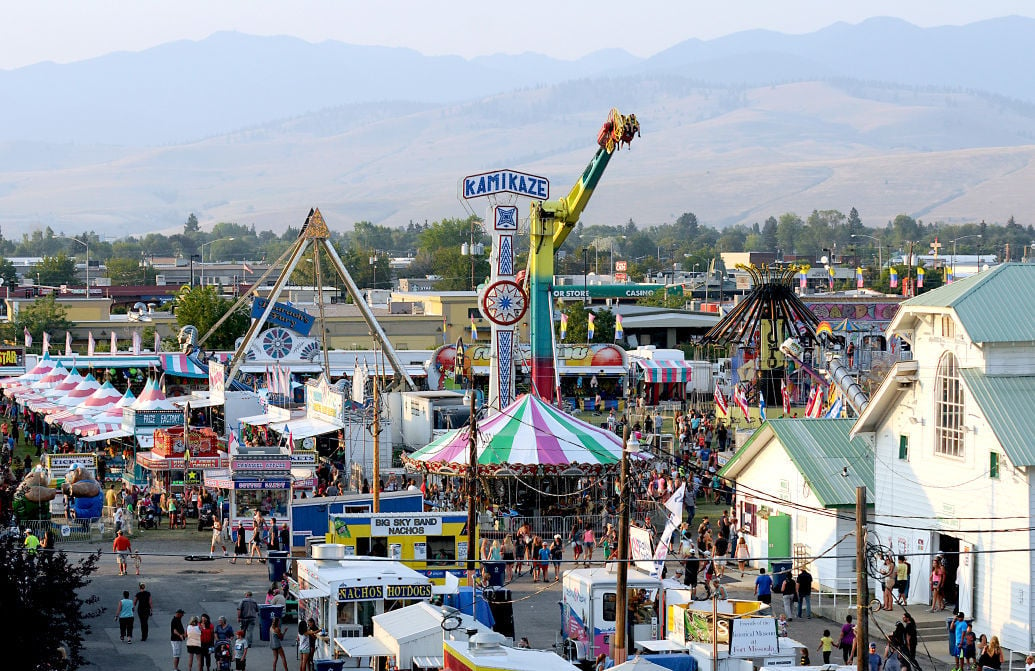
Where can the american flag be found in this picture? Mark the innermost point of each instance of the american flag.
(720, 401)
(740, 398)
(246, 268)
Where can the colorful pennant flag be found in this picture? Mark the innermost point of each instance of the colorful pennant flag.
(68, 344)
(720, 401)
(114, 343)
(761, 405)
(830, 275)
(591, 328)
(950, 275)
(28, 338)
(803, 277)
(564, 325)
(619, 331)
(814, 407)
(859, 278)
(836, 408)
(474, 330)
(136, 343)
(46, 343)
(893, 277)
(920, 277)
(91, 344)
(158, 342)
(786, 398)
(740, 398)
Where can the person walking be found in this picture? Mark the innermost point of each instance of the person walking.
(277, 643)
(589, 541)
(804, 581)
(764, 587)
(125, 617)
(826, 646)
(121, 547)
(240, 544)
(788, 591)
(142, 601)
(217, 537)
(847, 639)
(247, 612)
(177, 635)
(742, 555)
(305, 651)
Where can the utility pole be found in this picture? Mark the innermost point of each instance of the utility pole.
(472, 483)
(376, 488)
(622, 579)
(862, 639)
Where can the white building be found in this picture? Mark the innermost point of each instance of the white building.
(954, 445)
(796, 493)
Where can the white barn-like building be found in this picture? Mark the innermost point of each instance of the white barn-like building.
(953, 436)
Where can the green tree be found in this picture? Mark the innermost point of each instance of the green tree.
(191, 227)
(126, 272)
(578, 324)
(662, 298)
(770, 239)
(788, 231)
(40, 595)
(855, 224)
(53, 271)
(440, 252)
(39, 316)
(202, 307)
(8, 274)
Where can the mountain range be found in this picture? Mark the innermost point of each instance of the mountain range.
(890, 118)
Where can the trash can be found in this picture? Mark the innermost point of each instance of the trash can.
(497, 571)
(276, 564)
(266, 615)
(329, 664)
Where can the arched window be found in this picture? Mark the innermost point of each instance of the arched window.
(948, 433)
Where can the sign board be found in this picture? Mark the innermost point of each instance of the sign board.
(12, 356)
(150, 419)
(640, 549)
(324, 402)
(408, 591)
(217, 382)
(621, 277)
(621, 266)
(506, 181)
(303, 458)
(261, 484)
(614, 291)
(243, 463)
(753, 637)
(284, 315)
(361, 592)
(395, 525)
(58, 464)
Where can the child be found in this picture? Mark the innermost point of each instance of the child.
(240, 650)
(826, 646)
(781, 628)
(136, 561)
(544, 562)
(970, 647)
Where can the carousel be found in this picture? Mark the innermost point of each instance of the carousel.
(533, 452)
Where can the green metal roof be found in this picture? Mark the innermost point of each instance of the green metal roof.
(995, 306)
(1008, 403)
(820, 449)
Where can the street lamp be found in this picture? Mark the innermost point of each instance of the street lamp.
(880, 257)
(192, 257)
(373, 267)
(202, 248)
(87, 245)
(964, 237)
(585, 275)
(623, 237)
(472, 249)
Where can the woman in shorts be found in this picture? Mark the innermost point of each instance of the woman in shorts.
(194, 644)
(277, 643)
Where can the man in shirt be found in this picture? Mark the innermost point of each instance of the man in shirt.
(764, 587)
(805, 591)
(122, 547)
(31, 543)
(247, 612)
(177, 635)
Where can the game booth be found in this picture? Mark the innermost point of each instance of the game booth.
(174, 463)
(259, 479)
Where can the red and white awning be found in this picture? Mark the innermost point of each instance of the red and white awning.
(663, 370)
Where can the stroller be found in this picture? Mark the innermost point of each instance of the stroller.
(224, 655)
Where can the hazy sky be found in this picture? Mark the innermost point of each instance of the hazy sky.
(62, 30)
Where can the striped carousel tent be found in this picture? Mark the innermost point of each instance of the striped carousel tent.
(82, 391)
(106, 420)
(529, 436)
(36, 389)
(42, 367)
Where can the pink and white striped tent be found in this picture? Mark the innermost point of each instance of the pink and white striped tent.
(42, 367)
(107, 420)
(74, 397)
(37, 388)
(59, 390)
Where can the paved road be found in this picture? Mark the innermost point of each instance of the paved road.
(215, 587)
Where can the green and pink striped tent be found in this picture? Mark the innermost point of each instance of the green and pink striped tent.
(527, 437)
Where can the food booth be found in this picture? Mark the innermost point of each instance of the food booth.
(177, 463)
(432, 543)
(259, 478)
(343, 594)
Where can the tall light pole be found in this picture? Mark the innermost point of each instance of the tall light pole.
(623, 237)
(954, 241)
(472, 249)
(202, 248)
(585, 275)
(87, 245)
(880, 256)
(192, 257)
(621, 646)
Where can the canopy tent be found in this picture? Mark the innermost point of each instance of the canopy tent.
(36, 389)
(106, 420)
(180, 365)
(152, 398)
(80, 393)
(848, 326)
(59, 390)
(103, 398)
(663, 370)
(42, 367)
(306, 427)
(529, 436)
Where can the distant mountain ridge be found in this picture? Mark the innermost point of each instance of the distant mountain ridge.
(256, 130)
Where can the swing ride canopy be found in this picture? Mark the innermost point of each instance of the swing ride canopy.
(528, 437)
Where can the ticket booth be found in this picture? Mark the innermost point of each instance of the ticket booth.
(432, 543)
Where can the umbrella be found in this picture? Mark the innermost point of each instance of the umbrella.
(528, 436)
